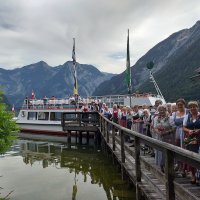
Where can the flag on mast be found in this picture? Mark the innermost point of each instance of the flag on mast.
(33, 95)
(128, 67)
(13, 108)
(74, 69)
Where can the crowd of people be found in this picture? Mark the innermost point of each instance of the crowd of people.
(175, 123)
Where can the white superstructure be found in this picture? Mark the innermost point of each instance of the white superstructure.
(44, 115)
(136, 99)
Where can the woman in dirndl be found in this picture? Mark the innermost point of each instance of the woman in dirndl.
(162, 130)
(191, 127)
(178, 117)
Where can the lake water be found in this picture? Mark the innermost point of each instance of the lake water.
(40, 170)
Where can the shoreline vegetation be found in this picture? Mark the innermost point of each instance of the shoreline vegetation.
(8, 130)
(8, 127)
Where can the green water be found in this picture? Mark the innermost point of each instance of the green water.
(37, 170)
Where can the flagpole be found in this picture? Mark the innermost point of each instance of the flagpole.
(128, 69)
(74, 73)
(13, 109)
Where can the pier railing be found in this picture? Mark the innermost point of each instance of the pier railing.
(172, 154)
(147, 177)
(80, 121)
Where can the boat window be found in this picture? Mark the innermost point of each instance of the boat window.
(70, 117)
(23, 114)
(43, 115)
(32, 115)
(55, 116)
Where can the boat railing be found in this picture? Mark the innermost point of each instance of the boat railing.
(50, 103)
(107, 97)
(119, 99)
(61, 103)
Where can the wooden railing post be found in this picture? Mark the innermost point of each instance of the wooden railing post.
(101, 124)
(122, 146)
(137, 159)
(137, 167)
(103, 127)
(169, 175)
(113, 137)
(107, 132)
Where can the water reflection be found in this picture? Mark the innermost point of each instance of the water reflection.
(87, 165)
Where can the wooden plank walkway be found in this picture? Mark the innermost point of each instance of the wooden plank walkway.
(129, 166)
(152, 184)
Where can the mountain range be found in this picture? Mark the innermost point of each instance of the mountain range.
(176, 59)
(49, 81)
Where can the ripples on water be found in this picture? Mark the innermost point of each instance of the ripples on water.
(39, 170)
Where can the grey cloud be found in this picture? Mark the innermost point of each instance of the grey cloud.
(43, 30)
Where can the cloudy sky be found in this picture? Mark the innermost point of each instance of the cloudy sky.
(34, 30)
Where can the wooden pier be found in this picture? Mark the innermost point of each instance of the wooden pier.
(150, 182)
(80, 124)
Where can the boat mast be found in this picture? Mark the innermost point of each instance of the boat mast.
(128, 69)
(74, 72)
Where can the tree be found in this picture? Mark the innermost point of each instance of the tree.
(8, 126)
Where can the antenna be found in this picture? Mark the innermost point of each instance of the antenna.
(156, 85)
(149, 67)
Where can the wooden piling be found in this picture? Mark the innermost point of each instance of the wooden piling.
(80, 137)
(69, 137)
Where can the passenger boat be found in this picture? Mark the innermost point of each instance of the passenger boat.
(44, 115)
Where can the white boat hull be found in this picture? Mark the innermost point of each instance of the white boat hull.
(34, 121)
(41, 127)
